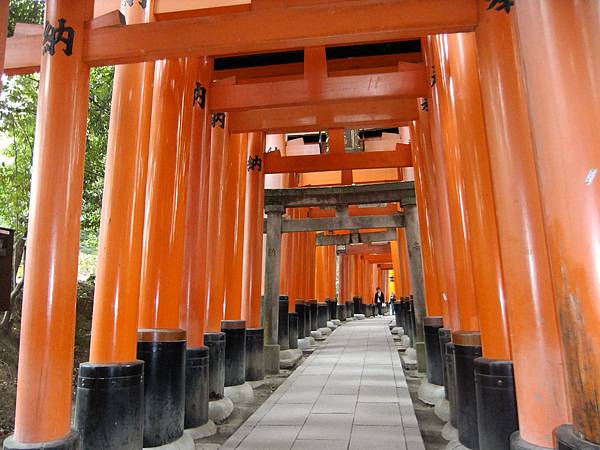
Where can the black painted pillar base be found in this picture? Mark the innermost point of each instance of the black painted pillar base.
(322, 309)
(307, 319)
(445, 336)
(368, 310)
(435, 363)
(69, 442)
(451, 373)
(235, 351)
(349, 309)
(255, 357)
(518, 443)
(333, 310)
(467, 348)
(163, 352)
(293, 329)
(398, 313)
(565, 438)
(283, 330)
(216, 365)
(341, 312)
(314, 315)
(496, 403)
(196, 387)
(358, 307)
(117, 390)
(301, 313)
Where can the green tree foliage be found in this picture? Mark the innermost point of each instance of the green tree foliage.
(18, 106)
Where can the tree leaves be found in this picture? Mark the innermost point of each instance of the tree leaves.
(18, 108)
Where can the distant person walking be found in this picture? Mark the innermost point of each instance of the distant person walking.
(379, 299)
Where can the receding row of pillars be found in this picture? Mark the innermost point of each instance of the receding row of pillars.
(506, 159)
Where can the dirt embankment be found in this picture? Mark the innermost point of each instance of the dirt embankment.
(9, 353)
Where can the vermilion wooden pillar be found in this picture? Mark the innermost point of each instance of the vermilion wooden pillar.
(253, 234)
(560, 43)
(529, 296)
(234, 224)
(433, 298)
(166, 198)
(44, 388)
(321, 273)
(470, 150)
(193, 305)
(215, 250)
(430, 113)
(116, 297)
(456, 189)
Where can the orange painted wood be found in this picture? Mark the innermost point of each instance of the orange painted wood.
(364, 114)
(433, 298)
(288, 28)
(215, 250)
(166, 193)
(192, 317)
(3, 34)
(532, 317)
(315, 90)
(275, 163)
(436, 155)
(465, 101)
(234, 218)
(45, 376)
(456, 188)
(253, 237)
(564, 107)
(118, 270)
(110, 19)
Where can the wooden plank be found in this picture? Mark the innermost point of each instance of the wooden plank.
(340, 195)
(356, 238)
(294, 119)
(408, 83)
(263, 30)
(343, 223)
(275, 163)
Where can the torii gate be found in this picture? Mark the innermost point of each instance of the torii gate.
(276, 202)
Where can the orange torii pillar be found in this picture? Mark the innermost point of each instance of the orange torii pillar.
(111, 381)
(232, 230)
(560, 43)
(192, 316)
(161, 343)
(467, 335)
(469, 150)
(434, 320)
(214, 339)
(535, 343)
(252, 258)
(433, 147)
(43, 413)
(343, 266)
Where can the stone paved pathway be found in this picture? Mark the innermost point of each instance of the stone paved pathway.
(349, 394)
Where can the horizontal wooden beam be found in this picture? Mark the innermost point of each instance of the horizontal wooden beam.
(379, 258)
(343, 223)
(366, 249)
(294, 119)
(355, 210)
(260, 30)
(386, 266)
(342, 66)
(275, 163)
(340, 195)
(409, 83)
(356, 238)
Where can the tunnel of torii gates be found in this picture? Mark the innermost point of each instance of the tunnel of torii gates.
(484, 113)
